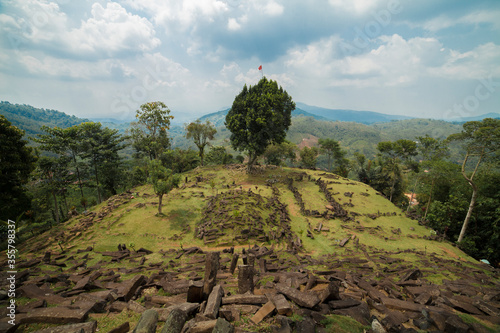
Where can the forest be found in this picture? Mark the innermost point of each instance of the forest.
(445, 175)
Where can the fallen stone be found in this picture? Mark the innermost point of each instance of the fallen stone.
(175, 321)
(464, 307)
(331, 293)
(33, 291)
(213, 302)
(305, 299)
(203, 327)
(305, 326)
(127, 289)
(413, 274)
(343, 304)
(123, 328)
(263, 312)
(223, 326)
(456, 325)
(282, 305)
(135, 307)
(54, 315)
(245, 299)
(401, 305)
(486, 308)
(361, 313)
(147, 322)
(89, 327)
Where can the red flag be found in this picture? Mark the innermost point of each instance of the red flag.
(260, 67)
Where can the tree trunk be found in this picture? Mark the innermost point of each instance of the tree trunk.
(78, 175)
(201, 155)
(474, 194)
(56, 206)
(160, 199)
(97, 181)
(251, 161)
(429, 201)
(469, 212)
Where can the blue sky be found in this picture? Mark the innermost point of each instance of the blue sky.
(426, 58)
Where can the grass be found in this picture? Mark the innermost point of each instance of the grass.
(469, 319)
(343, 324)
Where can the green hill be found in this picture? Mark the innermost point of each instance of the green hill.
(307, 229)
(31, 119)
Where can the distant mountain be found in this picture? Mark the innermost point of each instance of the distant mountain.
(475, 118)
(363, 117)
(218, 118)
(31, 119)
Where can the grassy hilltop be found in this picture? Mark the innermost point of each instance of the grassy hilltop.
(362, 236)
(132, 219)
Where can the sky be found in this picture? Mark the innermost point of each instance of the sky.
(426, 58)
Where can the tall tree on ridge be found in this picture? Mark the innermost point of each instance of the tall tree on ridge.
(481, 141)
(260, 115)
(149, 133)
(201, 134)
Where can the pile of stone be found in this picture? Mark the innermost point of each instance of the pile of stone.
(257, 284)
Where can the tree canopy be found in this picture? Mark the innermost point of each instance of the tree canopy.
(260, 115)
(16, 163)
(149, 133)
(481, 141)
(201, 133)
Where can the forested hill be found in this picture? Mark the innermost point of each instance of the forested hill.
(31, 119)
(306, 128)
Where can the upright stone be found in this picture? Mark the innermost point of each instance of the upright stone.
(245, 279)
(251, 259)
(195, 292)
(175, 321)
(147, 322)
(263, 265)
(213, 302)
(234, 262)
(211, 268)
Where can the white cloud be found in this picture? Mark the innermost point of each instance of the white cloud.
(477, 63)
(109, 31)
(475, 18)
(180, 15)
(52, 67)
(355, 6)
(232, 24)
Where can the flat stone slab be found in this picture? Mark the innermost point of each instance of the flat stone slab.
(305, 299)
(263, 312)
(245, 299)
(89, 327)
(54, 315)
(401, 305)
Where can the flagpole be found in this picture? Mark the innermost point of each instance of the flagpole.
(261, 72)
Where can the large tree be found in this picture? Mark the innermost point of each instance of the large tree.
(391, 155)
(260, 115)
(333, 151)
(16, 163)
(201, 134)
(149, 133)
(100, 145)
(481, 141)
(64, 141)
